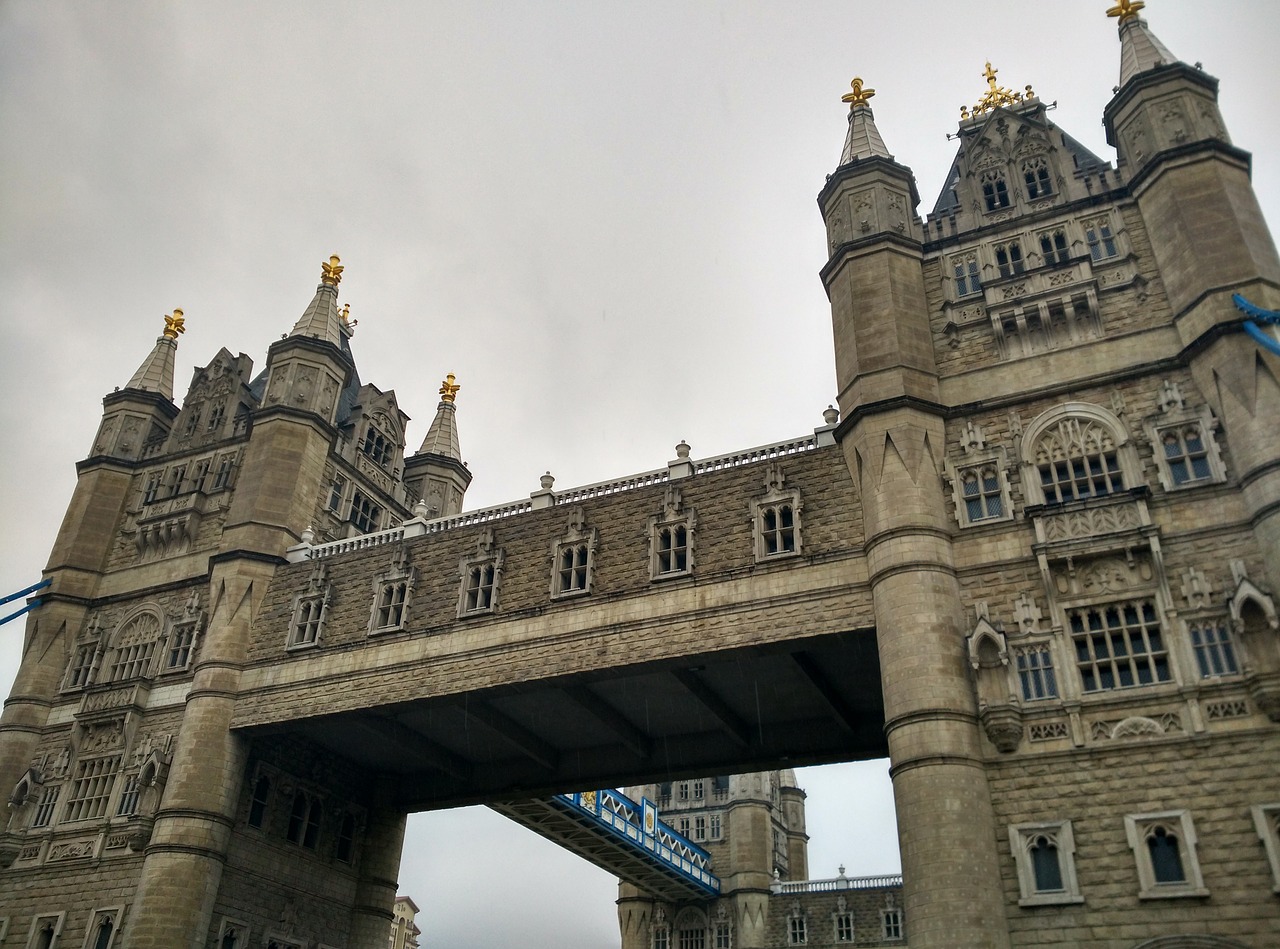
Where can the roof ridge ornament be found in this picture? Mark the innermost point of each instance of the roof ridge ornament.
(173, 325)
(449, 389)
(995, 96)
(1126, 10)
(859, 95)
(331, 272)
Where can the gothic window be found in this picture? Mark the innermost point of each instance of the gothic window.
(1044, 855)
(181, 644)
(1118, 645)
(393, 592)
(378, 447)
(337, 491)
(979, 486)
(691, 930)
(90, 789)
(968, 281)
(345, 847)
(844, 927)
(233, 935)
(129, 794)
(891, 923)
(1035, 173)
(797, 931)
(1214, 650)
(1035, 672)
(80, 671)
(1266, 820)
(102, 929)
(222, 474)
(573, 556)
(259, 800)
(216, 416)
(1078, 459)
(671, 538)
(481, 577)
(1053, 247)
(1100, 240)
(1009, 259)
(152, 487)
(310, 610)
(202, 473)
(177, 478)
(724, 936)
(776, 518)
(1164, 846)
(1185, 454)
(700, 828)
(45, 931)
(715, 831)
(982, 493)
(44, 810)
(193, 422)
(995, 191)
(365, 515)
(661, 938)
(699, 789)
(304, 820)
(683, 827)
(134, 645)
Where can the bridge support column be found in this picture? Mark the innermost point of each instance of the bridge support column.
(951, 878)
(382, 844)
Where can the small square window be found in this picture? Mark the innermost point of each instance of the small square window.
(1035, 174)
(1164, 846)
(1044, 855)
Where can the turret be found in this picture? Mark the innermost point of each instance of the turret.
(138, 417)
(436, 475)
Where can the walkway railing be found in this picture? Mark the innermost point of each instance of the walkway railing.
(419, 526)
(841, 882)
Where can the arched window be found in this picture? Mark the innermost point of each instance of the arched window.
(1036, 175)
(1044, 864)
(258, 804)
(304, 820)
(134, 645)
(1166, 861)
(1076, 452)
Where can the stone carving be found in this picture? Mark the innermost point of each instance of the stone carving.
(1135, 726)
(1217, 711)
(102, 736)
(102, 701)
(1026, 613)
(1047, 731)
(71, 850)
(1196, 590)
(1090, 522)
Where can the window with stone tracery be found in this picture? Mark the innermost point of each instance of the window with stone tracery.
(1119, 645)
(1164, 847)
(1009, 260)
(967, 274)
(1078, 459)
(1100, 239)
(1035, 174)
(1034, 665)
(1044, 855)
(1214, 648)
(573, 558)
(133, 647)
(1053, 247)
(995, 191)
(90, 789)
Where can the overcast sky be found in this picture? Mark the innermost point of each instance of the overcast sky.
(600, 215)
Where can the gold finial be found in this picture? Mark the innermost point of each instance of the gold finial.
(173, 325)
(331, 273)
(1126, 9)
(449, 389)
(346, 315)
(859, 96)
(996, 95)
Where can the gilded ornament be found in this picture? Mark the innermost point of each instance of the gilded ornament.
(995, 96)
(331, 273)
(859, 95)
(449, 389)
(173, 325)
(1126, 9)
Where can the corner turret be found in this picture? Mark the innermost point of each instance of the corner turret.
(138, 417)
(436, 476)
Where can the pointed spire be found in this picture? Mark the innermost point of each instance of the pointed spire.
(1140, 49)
(321, 319)
(156, 372)
(863, 140)
(442, 436)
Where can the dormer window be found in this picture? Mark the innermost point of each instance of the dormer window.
(1009, 259)
(995, 192)
(1036, 175)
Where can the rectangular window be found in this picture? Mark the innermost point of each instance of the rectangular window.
(222, 477)
(177, 479)
(1101, 242)
(377, 447)
(1215, 653)
(479, 592)
(777, 529)
(672, 549)
(391, 600)
(572, 572)
(180, 643)
(128, 805)
(982, 493)
(337, 491)
(193, 422)
(683, 827)
(1185, 454)
(90, 789)
(1035, 673)
(202, 474)
(693, 938)
(715, 826)
(1053, 248)
(892, 923)
(661, 939)
(81, 666)
(995, 192)
(307, 621)
(1009, 259)
(797, 933)
(365, 515)
(723, 938)
(968, 281)
(699, 828)
(216, 414)
(1036, 176)
(1094, 475)
(844, 927)
(132, 661)
(1119, 645)
(152, 488)
(44, 810)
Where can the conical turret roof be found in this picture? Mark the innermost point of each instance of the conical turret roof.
(321, 320)
(1140, 49)
(156, 372)
(442, 436)
(863, 140)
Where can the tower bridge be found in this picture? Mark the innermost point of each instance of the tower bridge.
(1033, 556)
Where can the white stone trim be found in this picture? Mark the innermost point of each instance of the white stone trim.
(1059, 833)
(1137, 829)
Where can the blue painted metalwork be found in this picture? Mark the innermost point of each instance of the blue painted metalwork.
(30, 606)
(638, 826)
(1252, 314)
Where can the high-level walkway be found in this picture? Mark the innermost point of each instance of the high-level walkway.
(627, 839)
